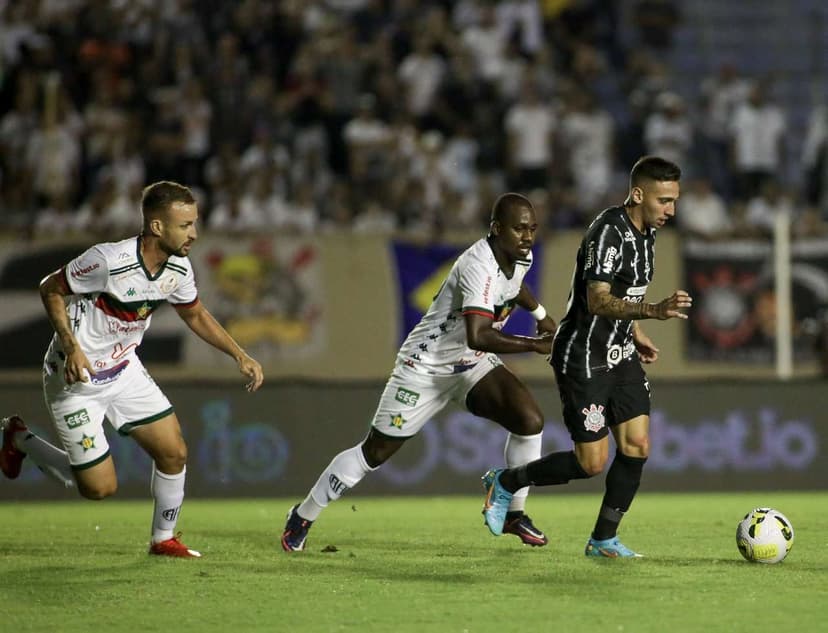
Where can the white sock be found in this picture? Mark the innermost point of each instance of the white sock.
(47, 457)
(520, 450)
(344, 472)
(168, 493)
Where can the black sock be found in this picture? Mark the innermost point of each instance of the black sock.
(623, 479)
(549, 470)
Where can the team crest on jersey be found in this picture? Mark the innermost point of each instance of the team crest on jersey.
(168, 284)
(87, 443)
(398, 421)
(594, 417)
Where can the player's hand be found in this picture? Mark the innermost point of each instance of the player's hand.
(543, 343)
(647, 351)
(672, 306)
(251, 368)
(77, 368)
(547, 325)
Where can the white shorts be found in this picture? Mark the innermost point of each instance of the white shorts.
(126, 396)
(410, 398)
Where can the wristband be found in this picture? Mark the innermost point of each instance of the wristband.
(539, 313)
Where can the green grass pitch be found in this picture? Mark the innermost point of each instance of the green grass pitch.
(410, 564)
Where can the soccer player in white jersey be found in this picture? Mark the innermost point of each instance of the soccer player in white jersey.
(597, 356)
(450, 356)
(91, 369)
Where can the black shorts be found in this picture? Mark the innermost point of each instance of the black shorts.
(592, 405)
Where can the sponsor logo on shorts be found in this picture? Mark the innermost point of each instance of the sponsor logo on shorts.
(87, 443)
(593, 417)
(76, 419)
(407, 396)
(397, 420)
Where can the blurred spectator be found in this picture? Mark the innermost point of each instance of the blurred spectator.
(668, 131)
(721, 94)
(420, 74)
(758, 132)
(586, 139)
(530, 125)
(702, 212)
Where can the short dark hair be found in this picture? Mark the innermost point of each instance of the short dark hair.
(654, 168)
(159, 196)
(506, 202)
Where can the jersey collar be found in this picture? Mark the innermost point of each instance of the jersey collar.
(149, 275)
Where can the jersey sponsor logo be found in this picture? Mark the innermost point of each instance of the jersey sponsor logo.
(106, 376)
(407, 396)
(594, 417)
(617, 353)
(628, 236)
(590, 256)
(77, 418)
(83, 271)
(486, 288)
(609, 259)
(130, 292)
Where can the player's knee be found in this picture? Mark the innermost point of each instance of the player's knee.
(98, 490)
(594, 467)
(530, 423)
(637, 446)
(173, 459)
(375, 455)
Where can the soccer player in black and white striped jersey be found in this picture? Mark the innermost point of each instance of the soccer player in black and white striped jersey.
(597, 355)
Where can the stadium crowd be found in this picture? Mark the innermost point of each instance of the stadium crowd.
(376, 116)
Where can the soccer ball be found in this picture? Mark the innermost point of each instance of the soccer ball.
(764, 536)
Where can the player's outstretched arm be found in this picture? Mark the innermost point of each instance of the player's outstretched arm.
(53, 289)
(602, 302)
(200, 321)
(483, 337)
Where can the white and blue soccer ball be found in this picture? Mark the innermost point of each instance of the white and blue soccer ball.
(764, 536)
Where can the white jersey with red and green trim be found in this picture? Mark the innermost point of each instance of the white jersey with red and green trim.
(475, 285)
(113, 299)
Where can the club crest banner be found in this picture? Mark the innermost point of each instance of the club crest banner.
(734, 300)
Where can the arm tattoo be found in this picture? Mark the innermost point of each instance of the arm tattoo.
(603, 303)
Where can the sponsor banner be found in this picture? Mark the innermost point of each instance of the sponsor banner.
(421, 270)
(734, 303)
(727, 436)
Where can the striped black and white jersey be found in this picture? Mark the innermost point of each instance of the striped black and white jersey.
(616, 252)
(114, 296)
